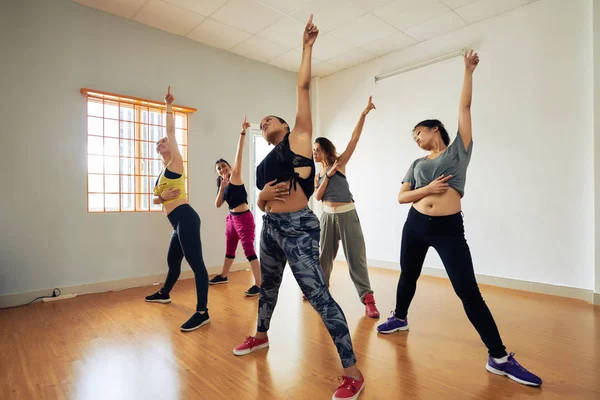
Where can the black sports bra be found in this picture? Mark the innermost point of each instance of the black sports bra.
(279, 165)
(235, 195)
(169, 175)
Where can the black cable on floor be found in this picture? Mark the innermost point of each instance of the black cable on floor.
(55, 293)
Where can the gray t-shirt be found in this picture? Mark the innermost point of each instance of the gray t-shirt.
(454, 161)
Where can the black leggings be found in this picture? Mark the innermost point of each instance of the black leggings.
(185, 242)
(447, 236)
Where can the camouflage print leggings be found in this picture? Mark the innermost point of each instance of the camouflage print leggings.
(294, 237)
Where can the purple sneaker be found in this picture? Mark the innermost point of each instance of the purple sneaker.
(513, 370)
(393, 324)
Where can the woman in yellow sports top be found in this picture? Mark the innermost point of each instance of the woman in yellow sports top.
(185, 241)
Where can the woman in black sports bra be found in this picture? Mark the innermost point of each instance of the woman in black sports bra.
(290, 231)
(239, 224)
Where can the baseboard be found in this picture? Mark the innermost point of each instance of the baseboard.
(535, 287)
(13, 300)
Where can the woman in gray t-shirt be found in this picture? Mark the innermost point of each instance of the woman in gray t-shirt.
(435, 184)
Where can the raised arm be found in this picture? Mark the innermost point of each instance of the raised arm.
(345, 156)
(303, 123)
(176, 163)
(464, 108)
(236, 172)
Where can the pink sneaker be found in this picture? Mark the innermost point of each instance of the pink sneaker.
(370, 306)
(349, 389)
(251, 344)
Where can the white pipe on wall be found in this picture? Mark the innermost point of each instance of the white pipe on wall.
(420, 65)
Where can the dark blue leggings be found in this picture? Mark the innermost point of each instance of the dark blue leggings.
(185, 242)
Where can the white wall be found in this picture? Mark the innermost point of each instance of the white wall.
(529, 200)
(51, 49)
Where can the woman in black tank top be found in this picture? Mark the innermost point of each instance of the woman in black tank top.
(239, 224)
(290, 231)
(339, 220)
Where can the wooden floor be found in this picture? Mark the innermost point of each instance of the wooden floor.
(115, 346)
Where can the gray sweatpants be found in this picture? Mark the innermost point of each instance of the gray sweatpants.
(345, 227)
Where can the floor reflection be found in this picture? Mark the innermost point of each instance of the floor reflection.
(141, 370)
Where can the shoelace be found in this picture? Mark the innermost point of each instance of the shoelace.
(512, 361)
(347, 382)
(249, 340)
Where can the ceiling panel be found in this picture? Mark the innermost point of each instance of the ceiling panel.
(270, 31)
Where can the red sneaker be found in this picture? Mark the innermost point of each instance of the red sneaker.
(251, 344)
(349, 389)
(370, 306)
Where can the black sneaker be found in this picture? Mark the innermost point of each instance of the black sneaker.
(198, 320)
(158, 297)
(253, 291)
(217, 280)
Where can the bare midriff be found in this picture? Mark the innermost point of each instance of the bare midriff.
(437, 205)
(168, 208)
(334, 204)
(241, 208)
(294, 202)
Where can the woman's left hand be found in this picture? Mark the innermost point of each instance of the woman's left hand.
(471, 61)
(245, 126)
(370, 106)
(274, 191)
(169, 98)
(310, 32)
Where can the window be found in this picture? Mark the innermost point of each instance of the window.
(259, 149)
(122, 163)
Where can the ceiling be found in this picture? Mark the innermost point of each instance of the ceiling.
(270, 31)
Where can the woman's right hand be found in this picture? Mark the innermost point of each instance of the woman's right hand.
(274, 191)
(170, 194)
(334, 168)
(439, 185)
(224, 182)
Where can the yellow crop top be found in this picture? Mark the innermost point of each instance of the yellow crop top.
(168, 179)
